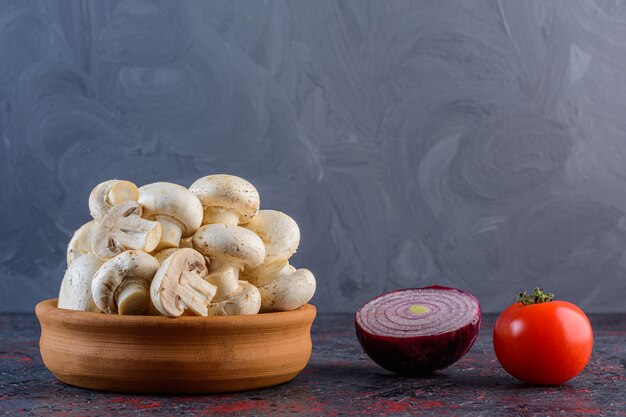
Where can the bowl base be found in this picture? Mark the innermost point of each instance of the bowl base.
(174, 387)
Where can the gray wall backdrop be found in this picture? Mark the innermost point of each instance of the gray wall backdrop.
(476, 144)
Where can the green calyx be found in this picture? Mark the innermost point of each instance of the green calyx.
(537, 297)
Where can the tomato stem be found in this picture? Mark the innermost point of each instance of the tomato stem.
(536, 298)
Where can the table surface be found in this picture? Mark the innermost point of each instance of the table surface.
(339, 381)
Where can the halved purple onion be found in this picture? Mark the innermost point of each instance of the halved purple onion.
(418, 330)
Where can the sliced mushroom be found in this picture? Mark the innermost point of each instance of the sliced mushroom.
(226, 199)
(283, 287)
(75, 291)
(122, 228)
(122, 284)
(179, 285)
(80, 244)
(175, 207)
(110, 193)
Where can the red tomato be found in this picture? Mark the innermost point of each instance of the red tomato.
(546, 343)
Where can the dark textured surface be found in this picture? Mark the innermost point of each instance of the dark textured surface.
(473, 144)
(339, 380)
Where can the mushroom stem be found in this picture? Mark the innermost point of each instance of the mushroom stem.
(247, 301)
(171, 232)
(215, 265)
(122, 191)
(138, 234)
(220, 215)
(194, 291)
(226, 279)
(133, 297)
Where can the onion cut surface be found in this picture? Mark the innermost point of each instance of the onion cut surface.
(418, 330)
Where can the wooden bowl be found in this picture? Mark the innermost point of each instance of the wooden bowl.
(148, 354)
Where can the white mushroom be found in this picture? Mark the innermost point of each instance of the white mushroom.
(75, 291)
(123, 228)
(110, 193)
(279, 232)
(175, 207)
(122, 284)
(282, 287)
(80, 243)
(226, 199)
(179, 285)
(230, 249)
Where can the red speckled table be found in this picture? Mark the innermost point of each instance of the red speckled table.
(339, 381)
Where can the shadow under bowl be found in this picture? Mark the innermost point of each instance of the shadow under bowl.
(189, 354)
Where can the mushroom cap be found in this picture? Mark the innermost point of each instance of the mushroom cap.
(109, 193)
(182, 271)
(288, 291)
(231, 245)
(279, 232)
(165, 198)
(229, 192)
(75, 293)
(80, 243)
(133, 263)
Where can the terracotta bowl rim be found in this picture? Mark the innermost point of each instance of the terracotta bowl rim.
(48, 309)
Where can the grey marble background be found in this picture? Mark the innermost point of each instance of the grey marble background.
(476, 144)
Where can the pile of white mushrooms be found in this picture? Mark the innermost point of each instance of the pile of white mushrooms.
(163, 249)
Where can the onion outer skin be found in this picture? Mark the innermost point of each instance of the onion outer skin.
(419, 355)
